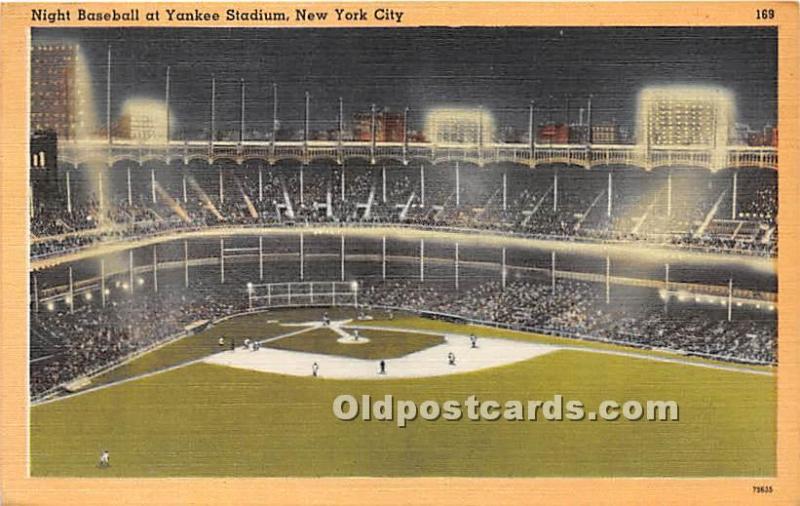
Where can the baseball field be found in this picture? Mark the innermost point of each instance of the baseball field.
(197, 408)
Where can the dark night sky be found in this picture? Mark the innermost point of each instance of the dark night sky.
(499, 68)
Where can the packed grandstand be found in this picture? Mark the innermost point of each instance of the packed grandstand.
(685, 208)
(696, 212)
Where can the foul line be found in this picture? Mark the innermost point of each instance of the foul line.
(159, 371)
(588, 349)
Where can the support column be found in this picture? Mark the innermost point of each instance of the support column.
(212, 125)
(221, 188)
(302, 253)
(261, 258)
(100, 199)
(422, 184)
(166, 101)
(372, 136)
(102, 282)
(155, 270)
(531, 135)
(555, 191)
(301, 187)
(666, 288)
(383, 183)
(36, 293)
(457, 266)
(183, 186)
(130, 191)
(422, 259)
(405, 136)
(608, 280)
(71, 293)
(503, 271)
(553, 271)
(185, 264)
(341, 121)
(305, 123)
(383, 258)
(610, 189)
(480, 136)
(69, 193)
(589, 121)
(274, 117)
(260, 184)
(153, 185)
(341, 256)
(505, 190)
(343, 182)
(458, 186)
(730, 299)
(241, 115)
(222, 260)
(130, 270)
(108, 98)
(734, 196)
(669, 193)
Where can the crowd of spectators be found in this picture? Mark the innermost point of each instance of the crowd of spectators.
(73, 344)
(578, 308)
(641, 210)
(70, 343)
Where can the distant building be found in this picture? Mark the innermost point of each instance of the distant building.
(605, 133)
(552, 133)
(44, 150)
(766, 137)
(459, 126)
(389, 126)
(685, 116)
(771, 136)
(44, 162)
(61, 97)
(578, 134)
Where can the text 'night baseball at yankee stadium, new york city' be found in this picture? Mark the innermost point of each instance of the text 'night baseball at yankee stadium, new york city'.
(196, 15)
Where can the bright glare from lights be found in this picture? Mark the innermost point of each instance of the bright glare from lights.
(680, 115)
(87, 296)
(50, 306)
(459, 125)
(354, 286)
(140, 281)
(147, 118)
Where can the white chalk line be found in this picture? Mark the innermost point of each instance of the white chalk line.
(159, 371)
(591, 349)
(313, 326)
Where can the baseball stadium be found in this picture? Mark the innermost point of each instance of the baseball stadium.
(199, 299)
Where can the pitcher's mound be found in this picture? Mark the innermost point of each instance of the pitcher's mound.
(353, 340)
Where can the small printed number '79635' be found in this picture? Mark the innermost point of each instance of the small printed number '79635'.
(762, 489)
(765, 13)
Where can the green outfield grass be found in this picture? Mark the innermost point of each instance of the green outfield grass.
(208, 420)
